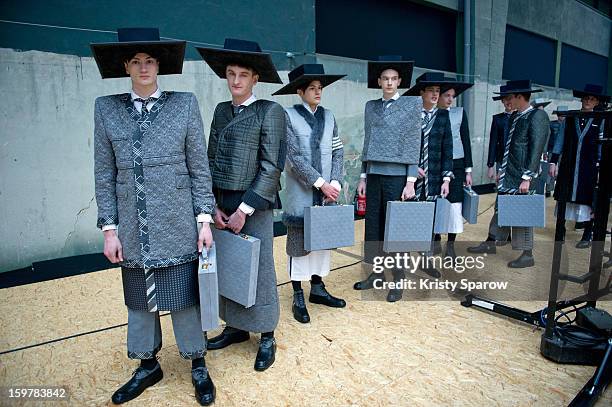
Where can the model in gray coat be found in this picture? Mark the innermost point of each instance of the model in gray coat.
(247, 154)
(152, 183)
(313, 175)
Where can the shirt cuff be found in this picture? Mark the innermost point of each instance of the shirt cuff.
(204, 218)
(363, 175)
(334, 183)
(411, 179)
(526, 177)
(109, 227)
(446, 179)
(249, 210)
(319, 183)
(468, 170)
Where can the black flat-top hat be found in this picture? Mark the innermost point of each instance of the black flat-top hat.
(243, 53)
(376, 68)
(592, 90)
(458, 86)
(429, 79)
(110, 56)
(518, 86)
(303, 75)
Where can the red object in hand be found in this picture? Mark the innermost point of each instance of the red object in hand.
(361, 205)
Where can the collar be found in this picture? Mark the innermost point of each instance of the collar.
(394, 97)
(307, 106)
(249, 101)
(433, 109)
(524, 112)
(156, 94)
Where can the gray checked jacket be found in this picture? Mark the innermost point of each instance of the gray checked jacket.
(177, 181)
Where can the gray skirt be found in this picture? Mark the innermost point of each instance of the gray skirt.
(264, 314)
(176, 287)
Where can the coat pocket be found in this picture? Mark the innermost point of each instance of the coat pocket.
(183, 181)
(121, 191)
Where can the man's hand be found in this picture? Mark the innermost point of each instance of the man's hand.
(408, 192)
(204, 237)
(491, 173)
(361, 187)
(552, 170)
(444, 189)
(331, 193)
(112, 246)
(421, 173)
(220, 219)
(468, 179)
(524, 187)
(236, 221)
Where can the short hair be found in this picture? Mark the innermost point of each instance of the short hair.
(153, 54)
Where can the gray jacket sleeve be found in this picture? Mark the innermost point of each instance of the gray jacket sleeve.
(337, 156)
(539, 129)
(272, 154)
(306, 173)
(105, 172)
(197, 162)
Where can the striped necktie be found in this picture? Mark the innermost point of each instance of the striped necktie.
(387, 103)
(145, 102)
(424, 164)
(237, 109)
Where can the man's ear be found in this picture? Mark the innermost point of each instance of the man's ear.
(255, 79)
(125, 65)
(379, 82)
(399, 82)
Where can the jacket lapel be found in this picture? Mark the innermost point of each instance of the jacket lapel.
(248, 112)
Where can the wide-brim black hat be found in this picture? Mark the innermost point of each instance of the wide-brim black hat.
(243, 53)
(110, 56)
(403, 68)
(561, 109)
(518, 86)
(429, 79)
(458, 86)
(303, 75)
(592, 90)
(541, 102)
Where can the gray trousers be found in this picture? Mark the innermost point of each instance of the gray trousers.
(144, 336)
(522, 237)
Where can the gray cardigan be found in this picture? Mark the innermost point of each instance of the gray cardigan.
(393, 135)
(177, 178)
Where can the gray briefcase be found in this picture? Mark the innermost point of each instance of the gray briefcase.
(521, 210)
(329, 227)
(237, 266)
(469, 208)
(209, 289)
(408, 226)
(442, 215)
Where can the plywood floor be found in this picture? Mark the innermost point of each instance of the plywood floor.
(411, 353)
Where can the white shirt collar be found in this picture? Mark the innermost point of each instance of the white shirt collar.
(394, 97)
(307, 106)
(249, 101)
(530, 108)
(156, 94)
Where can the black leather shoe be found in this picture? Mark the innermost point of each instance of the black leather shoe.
(226, 338)
(484, 247)
(583, 244)
(325, 298)
(266, 354)
(394, 294)
(203, 385)
(368, 283)
(141, 379)
(300, 313)
(432, 272)
(524, 260)
(450, 250)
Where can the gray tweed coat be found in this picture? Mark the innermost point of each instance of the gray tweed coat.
(175, 182)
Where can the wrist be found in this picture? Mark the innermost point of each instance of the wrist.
(110, 233)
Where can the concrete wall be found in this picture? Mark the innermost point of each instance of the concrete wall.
(47, 201)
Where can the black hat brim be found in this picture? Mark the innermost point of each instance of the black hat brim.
(542, 104)
(218, 59)
(459, 87)
(580, 94)
(292, 87)
(403, 68)
(514, 91)
(416, 89)
(110, 56)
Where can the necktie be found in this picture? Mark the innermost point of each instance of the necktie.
(237, 109)
(145, 102)
(424, 164)
(502, 170)
(387, 103)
